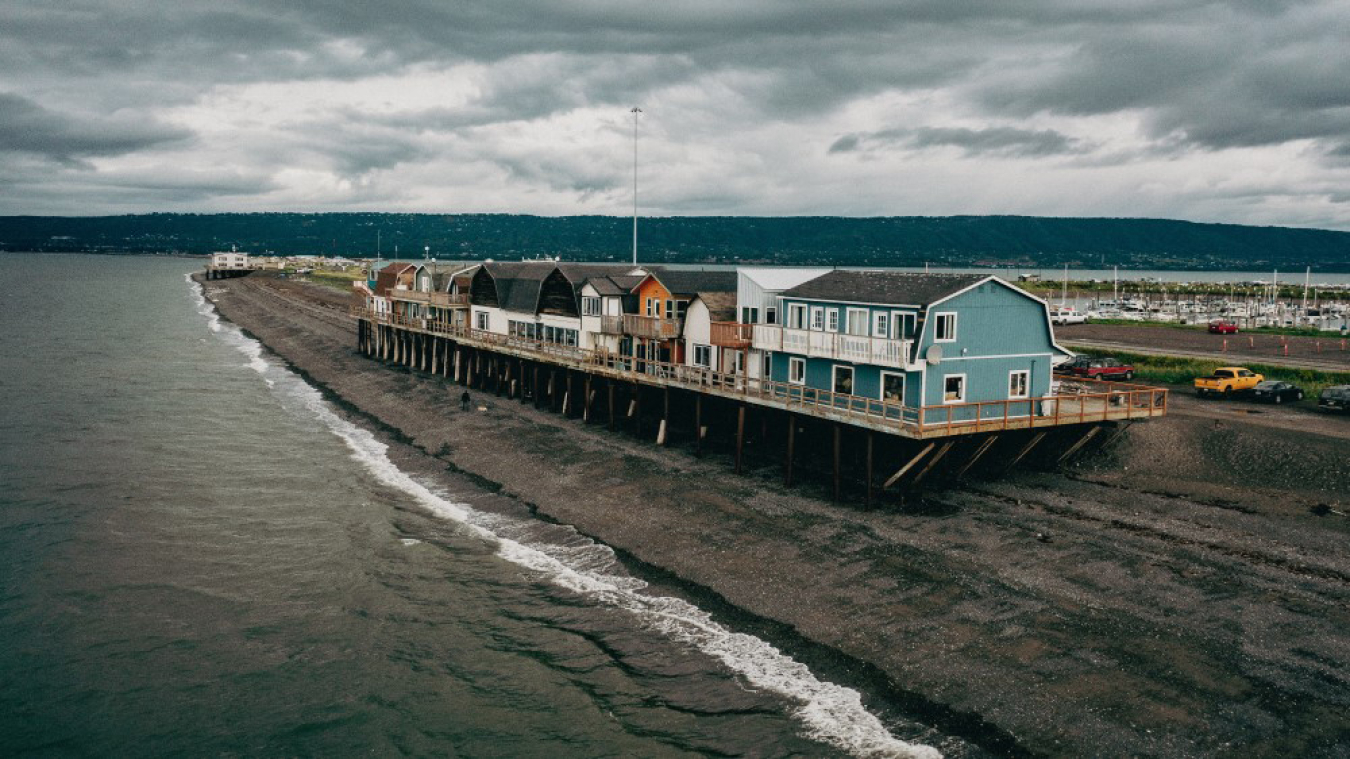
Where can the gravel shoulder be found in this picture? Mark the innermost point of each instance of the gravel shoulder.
(1180, 593)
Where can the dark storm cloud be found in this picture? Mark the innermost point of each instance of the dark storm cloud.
(1005, 141)
(27, 127)
(1167, 79)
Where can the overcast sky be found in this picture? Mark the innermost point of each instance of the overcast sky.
(1233, 112)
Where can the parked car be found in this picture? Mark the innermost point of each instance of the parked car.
(1104, 369)
(1067, 315)
(1068, 367)
(1274, 391)
(1222, 327)
(1227, 380)
(1335, 398)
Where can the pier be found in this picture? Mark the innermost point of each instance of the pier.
(859, 444)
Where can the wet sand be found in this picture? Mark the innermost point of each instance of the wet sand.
(1184, 593)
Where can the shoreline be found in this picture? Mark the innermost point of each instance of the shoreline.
(1021, 648)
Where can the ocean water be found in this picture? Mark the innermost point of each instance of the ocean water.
(201, 556)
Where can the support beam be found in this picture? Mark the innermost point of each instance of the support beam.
(1081, 442)
(1025, 450)
(947, 446)
(610, 383)
(665, 416)
(901, 473)
(868, 500)
(791, 449)
(740, 435)
(838, 447)
(698, 423)
(979, 452)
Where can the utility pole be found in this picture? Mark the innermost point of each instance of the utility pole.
(635, 113)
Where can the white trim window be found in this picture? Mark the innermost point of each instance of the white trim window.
(881, 324)
(1019, 384)
(857, 322)
(902, 324)
(843, 379)
(832, 320)
(893, 387)
(954, 388)
(944, 327)
(482, 317)
(796, 316)
(817, 319)
(590, 305)
(797, 371)
(771, 315)
(703, 356)
(768, 366)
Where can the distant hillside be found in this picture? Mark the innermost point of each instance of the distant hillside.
(894, 241)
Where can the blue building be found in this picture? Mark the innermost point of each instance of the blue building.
(915, 340)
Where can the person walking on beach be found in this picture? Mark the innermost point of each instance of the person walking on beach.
(464, 401)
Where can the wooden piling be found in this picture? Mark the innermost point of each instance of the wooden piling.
(791, 449)
(838, 448)
(740, 435)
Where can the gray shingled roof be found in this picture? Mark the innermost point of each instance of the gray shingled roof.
(691, 282)
(518, 283)
(615, 285)
(886, 287)
(721, 305)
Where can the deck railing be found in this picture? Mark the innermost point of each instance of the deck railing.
(611, 325)
(434, 299)
(832, 345)
(651, 327)
(731, 334)
(1073, 402)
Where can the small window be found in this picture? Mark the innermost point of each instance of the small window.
(893, 387)
(681, 307)
(768, 366)
(857, 322)
(1019, 384)
(651, 307)
(843, 380)
(954, 388)
(832, 320)
(797, 316)
(670, 309)
(703, 356)
(881, 324)
(482, 320)
(817, 319)
(770, 316)
(590, 306)
(749, 315)
(944, 328)
(797, 371)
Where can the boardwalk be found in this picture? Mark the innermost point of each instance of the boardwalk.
(1075, 402)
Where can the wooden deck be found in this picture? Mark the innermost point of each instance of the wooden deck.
(1075, 402)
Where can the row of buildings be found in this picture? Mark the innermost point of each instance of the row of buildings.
(909, 341)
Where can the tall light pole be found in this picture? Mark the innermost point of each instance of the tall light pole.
(635, 113)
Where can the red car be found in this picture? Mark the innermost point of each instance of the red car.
(1221, 327)
(1103, 369)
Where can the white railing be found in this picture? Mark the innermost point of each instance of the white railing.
(833, 345)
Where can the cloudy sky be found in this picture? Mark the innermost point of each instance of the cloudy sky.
(1234, 112)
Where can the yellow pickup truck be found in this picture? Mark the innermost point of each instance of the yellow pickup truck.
(1227, 380)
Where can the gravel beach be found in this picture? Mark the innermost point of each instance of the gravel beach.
(1185, 592)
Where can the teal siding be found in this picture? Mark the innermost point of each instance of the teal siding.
(999, 330)
(992, 320)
